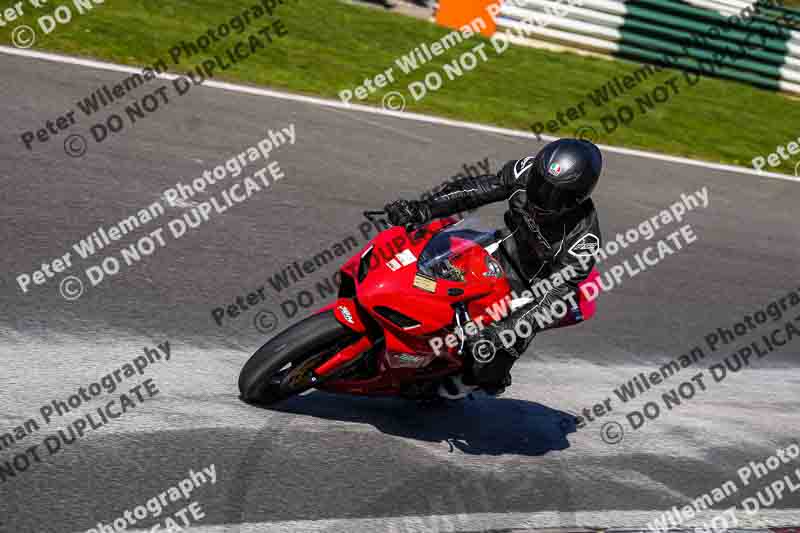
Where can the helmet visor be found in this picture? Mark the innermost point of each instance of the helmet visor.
(550, 199)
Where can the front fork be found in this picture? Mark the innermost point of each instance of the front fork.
(462, 317)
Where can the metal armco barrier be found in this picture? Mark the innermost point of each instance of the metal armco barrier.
(752, 42)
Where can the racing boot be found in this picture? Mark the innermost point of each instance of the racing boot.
(454, 388)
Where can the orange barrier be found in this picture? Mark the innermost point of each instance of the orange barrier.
(458, 13)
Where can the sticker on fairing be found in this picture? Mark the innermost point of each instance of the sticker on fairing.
(406, 257)
(393, 265)
(425, 283)
(586, 246)
(346, 314)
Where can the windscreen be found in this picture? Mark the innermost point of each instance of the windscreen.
(436, 258)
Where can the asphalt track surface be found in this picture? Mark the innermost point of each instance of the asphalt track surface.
(333, 463)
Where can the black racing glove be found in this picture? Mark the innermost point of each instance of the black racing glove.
(404, 212)
(494, 338)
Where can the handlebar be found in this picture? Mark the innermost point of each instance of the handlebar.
(413, 227)
(370, 214)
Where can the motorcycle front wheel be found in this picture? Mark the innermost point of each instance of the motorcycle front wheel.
(282, 367)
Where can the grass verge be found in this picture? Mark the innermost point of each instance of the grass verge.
(332, 46)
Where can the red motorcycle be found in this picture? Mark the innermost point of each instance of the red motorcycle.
(398, 300)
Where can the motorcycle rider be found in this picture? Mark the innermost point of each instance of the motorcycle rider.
(554, 226)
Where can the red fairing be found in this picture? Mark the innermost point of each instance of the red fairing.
(346, 311)
(344, 356)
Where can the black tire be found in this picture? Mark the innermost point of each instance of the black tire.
(263, 378)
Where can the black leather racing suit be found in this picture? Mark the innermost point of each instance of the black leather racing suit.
(536, 251)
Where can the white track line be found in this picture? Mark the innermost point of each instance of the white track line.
(102, 65)
(491, 521)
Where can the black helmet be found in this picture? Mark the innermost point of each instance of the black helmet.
(564, 174)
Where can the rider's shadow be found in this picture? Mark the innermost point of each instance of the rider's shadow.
(483, 426)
